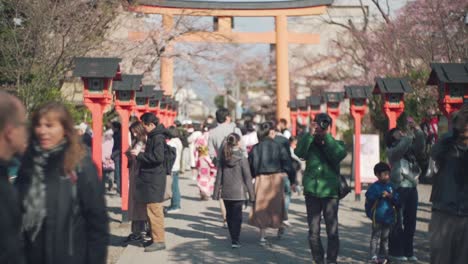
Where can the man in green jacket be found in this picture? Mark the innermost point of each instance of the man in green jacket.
(323, 155)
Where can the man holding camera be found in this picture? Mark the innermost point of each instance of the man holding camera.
(323, 155)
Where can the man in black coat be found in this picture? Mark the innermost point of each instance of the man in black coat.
(151, 181)
(449, 222)
(13, 140)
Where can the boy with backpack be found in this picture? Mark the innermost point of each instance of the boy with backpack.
(381, 203)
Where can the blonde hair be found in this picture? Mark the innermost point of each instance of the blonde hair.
(202, 151)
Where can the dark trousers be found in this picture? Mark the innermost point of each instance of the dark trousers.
(117, 175)
(234, 218)
(449, 238)
(402, 235)
(380, 233)
(329, 207)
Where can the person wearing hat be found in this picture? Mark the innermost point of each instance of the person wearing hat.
(323, 155)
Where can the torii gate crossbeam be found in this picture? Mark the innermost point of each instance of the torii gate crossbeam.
(281, 37)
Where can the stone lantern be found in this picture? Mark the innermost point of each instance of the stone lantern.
(392, 91)
(97, 75)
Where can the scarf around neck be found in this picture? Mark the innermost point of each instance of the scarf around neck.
(35, 199)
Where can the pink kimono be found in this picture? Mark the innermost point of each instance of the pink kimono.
(206, 176)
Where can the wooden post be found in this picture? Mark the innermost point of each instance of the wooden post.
(282, 68)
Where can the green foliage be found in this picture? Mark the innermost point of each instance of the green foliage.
(348, 139)
(219, 101)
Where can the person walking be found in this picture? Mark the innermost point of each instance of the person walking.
(215, 140)
(270, 163)
(116, 154)
(176, 143)
(233, 180)
(151, 180)
(108, 165)
(403, 152)
(206, 173)
(323, 155)
(448, 228)
(64, 212)
(136, 209)
(381, 207)
(13, 141)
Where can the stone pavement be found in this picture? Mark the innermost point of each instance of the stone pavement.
(195, 234)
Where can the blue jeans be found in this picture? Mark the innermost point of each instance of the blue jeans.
(401, 237)
(287, 192)
(175, 200)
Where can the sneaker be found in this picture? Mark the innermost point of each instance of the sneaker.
(155, 247)
(287, 223)
(398, 258)
(235, 245)
(281, 231)
(412, 258)
(263, 241)
(374, 259)
(173, 210)
(132, 237)
(225, 226)
(383, 260)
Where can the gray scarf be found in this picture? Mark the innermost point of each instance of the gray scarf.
(35, 200)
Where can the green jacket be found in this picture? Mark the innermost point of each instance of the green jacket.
(322, 166)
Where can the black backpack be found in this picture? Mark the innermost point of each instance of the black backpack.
(170, 154)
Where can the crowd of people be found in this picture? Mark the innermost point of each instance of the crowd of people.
(54, 210)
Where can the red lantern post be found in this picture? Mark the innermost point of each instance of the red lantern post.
(333, 100)
(392, 91)
(452, 81)
(303, 111)
(293, 106)
(97, 75)
(315, 103)
(358, 107)
(125, 93)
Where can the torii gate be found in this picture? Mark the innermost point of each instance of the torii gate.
(224, 12)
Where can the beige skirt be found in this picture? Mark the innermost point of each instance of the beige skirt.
(269, 208)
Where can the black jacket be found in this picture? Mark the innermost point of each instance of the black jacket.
(450, 186)
(268, 157)
(10, 220)
(75, 230)
(234, 179)
(151, 181)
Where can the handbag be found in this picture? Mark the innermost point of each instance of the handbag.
(344, 188)
(168, 190)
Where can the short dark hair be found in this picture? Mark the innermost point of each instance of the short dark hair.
(116, 125)
(264, 130)
(249, 126)
(381, 167)
(149, 118)
(283, 121)
(389, 139)
(221, 115)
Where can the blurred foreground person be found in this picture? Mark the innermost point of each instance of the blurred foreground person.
(449, 222)
(13, 140)
(64, 213)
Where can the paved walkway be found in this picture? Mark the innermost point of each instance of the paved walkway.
(195, 235)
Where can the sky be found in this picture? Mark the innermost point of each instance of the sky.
(263, 24)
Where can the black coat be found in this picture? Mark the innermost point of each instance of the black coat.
(268, 157)
(10, 220)
(450, 186)
(151, 181)
(75, 230)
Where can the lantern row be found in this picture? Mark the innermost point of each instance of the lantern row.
(102, 79)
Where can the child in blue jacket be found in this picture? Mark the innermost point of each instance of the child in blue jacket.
(381, 203)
